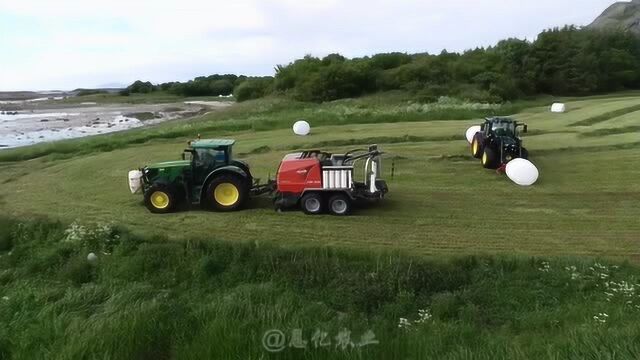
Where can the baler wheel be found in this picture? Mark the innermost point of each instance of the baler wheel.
(312, 203)
(340, 205)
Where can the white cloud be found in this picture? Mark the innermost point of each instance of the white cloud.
(69, 43)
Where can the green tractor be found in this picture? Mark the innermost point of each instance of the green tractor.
(207, 176)
(498, 142)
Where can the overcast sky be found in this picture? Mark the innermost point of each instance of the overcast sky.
(66, 44)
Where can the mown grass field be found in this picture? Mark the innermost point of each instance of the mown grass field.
(456, 263)
(441, 201)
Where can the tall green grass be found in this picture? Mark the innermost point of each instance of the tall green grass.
(149, 298)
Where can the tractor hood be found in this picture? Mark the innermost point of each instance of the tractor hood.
(170, 164)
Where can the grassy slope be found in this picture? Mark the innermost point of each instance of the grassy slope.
(157, 299)
(441, 201)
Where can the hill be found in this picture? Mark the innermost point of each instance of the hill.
(621, 15)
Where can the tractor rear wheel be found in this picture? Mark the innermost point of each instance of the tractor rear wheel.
(160, 199)
(340, 205)
(227, 193)
(477, 147)
(490, 158)
(312, 203)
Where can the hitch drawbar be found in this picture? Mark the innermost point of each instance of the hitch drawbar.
(260, 189)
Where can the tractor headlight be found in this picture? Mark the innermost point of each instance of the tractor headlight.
(509, 158)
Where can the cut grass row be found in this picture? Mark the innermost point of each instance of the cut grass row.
(613, 131)
(607, 116)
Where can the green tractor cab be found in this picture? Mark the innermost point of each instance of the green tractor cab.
(207, 176)
(498, 142)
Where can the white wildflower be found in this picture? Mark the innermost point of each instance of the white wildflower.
(544, 266)
(575, 276)
(601, 318)
(404, 324)
(574, 272)
(423, 316)
(75, 233)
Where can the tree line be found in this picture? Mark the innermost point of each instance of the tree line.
(561, 61)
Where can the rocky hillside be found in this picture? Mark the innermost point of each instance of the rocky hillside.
(621, 15)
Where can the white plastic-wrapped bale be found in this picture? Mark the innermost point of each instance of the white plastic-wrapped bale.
(301, 128)
(522, 172)
(135, 181)
(471, 132)
(558, 108)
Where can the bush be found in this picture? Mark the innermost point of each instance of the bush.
(221, 87)
(212, 85)
(335, 80)
(141, 87)
(390, 60)
(253, 88)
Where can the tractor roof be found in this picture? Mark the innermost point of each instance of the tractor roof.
(212, 143)
(500, 119)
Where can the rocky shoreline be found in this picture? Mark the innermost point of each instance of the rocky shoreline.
(23, 124)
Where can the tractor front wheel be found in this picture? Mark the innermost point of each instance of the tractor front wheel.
(227, 193)
(490, 159)
(340, 205)
(524, 154)
(160, 199)
(312, 203)
(477, 146)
